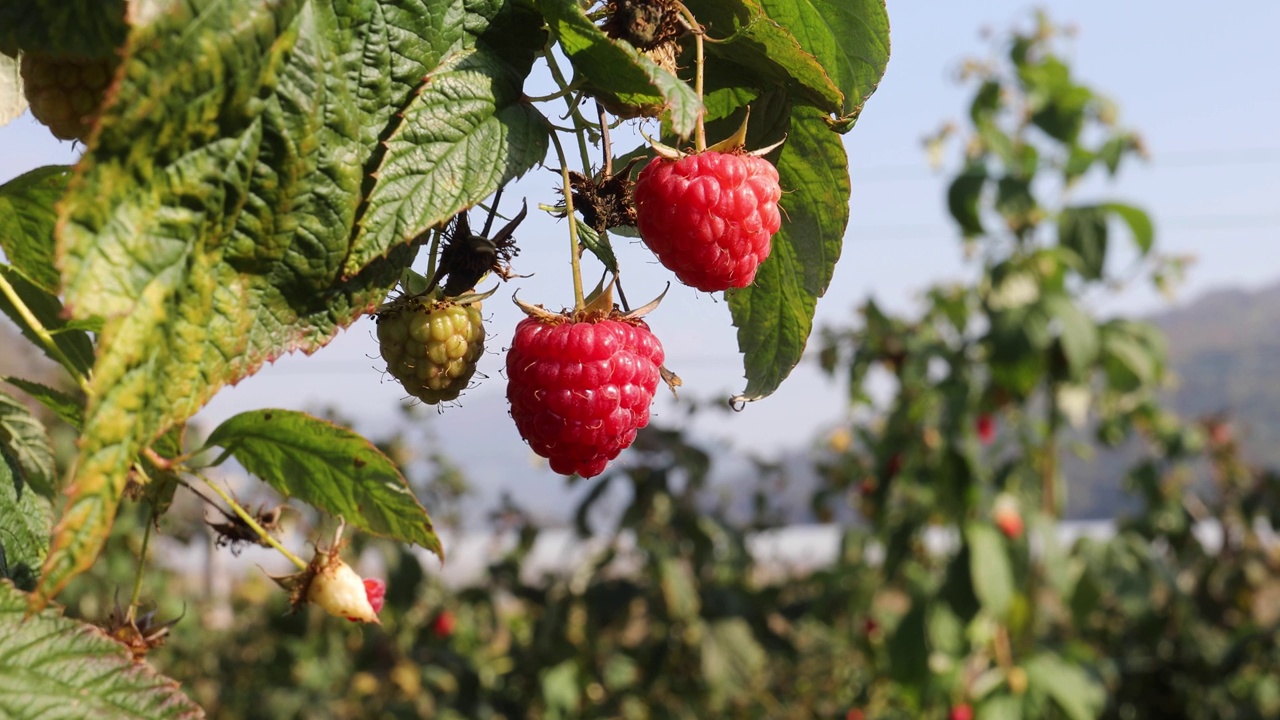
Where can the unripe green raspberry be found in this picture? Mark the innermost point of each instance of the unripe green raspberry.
(431, 346)
(65, 92)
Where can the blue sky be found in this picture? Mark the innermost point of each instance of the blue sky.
(1198, 84)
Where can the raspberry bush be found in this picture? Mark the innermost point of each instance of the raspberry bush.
(257, 177)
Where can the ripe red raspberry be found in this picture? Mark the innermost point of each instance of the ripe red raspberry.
(579, 391)
(961, 712)
(986, 426)
(709, 217)
(65, 92)
(442, 626)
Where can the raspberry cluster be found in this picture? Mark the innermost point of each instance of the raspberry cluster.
(709, 217)
(579, 391)
(431, 347)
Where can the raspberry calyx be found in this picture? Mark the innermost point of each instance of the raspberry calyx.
(330, 583)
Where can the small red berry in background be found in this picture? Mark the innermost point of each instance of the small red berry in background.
(961, 712)
(986, 429)
(1007, 517)
(442, 626)
(855, 714)
(710, 217)
(895, 465)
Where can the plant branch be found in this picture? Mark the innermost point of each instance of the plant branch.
(253, 524)
(142, 562)
(700, 139)
(578, 302)
(34, 324)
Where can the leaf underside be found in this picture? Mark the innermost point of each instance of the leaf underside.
(56, 668)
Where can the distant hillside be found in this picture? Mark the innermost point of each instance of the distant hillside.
(1225, 349)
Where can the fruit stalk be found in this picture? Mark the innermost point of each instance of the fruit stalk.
(253, 524)
(40, 332)
(142, 562)
(578, 302)
(700, 138)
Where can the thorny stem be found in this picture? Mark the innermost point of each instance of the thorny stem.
(1003, 649)
(604, 139)
(1049, 470)
(571, 104)
(562, 92)
(142, 562)
(38, 328)
(432, 254)
(579, 133)
(578, 302)
(700, 140)
(253, 524)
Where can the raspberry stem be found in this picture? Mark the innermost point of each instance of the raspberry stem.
(700, 139)
(253, 524)
(578, 303)
(142, 561)
(40, 332)
(571, 101)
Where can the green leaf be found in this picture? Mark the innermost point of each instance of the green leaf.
(12, 102)
(560, 688)
(850, 38)
(75, 346)
(465, 134)
(27, 217)
(962, 199)
(63, 405)
(990, 567)
(329, 467)
(1000, 707)
(756, 50)
(598, 244)
(679, 589)
(56, 668)
(774, 315)
(1083, 230)
(1139, 224)
(212, 219)
(1079, 696)
(946, 633)
(621, 77)
(1077, 332)
(24, 446)
(90, 28)
(732, 660)
(1130, 363)
(1015, 202)
(25, 521)
(908, 647)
